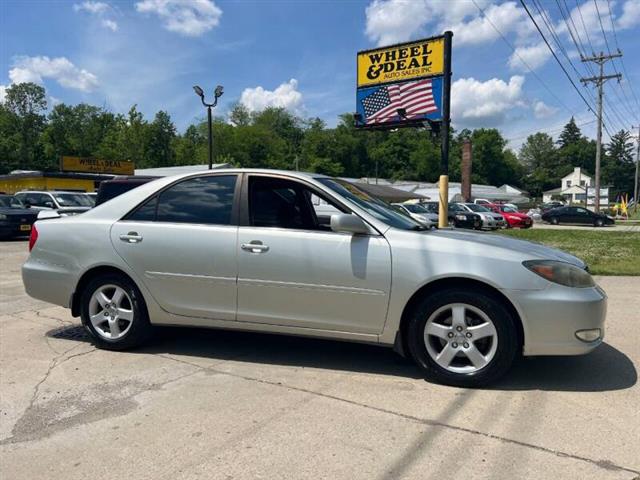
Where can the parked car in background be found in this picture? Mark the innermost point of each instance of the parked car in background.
(576, 216)
(419, 212)
(513, 217)
(458, 217)
(64, 203)
(92, 196)
(117, 186)
(15, 219)
(550, 205)
(245, 250)
(490, 220)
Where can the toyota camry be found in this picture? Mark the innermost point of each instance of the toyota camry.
(247, 250)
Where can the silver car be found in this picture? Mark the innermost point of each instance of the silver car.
(490, 219)
(246, 250)
(420, 213)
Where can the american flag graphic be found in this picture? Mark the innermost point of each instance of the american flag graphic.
(415, 97)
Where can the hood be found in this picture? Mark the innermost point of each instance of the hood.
(516, 214)
(26, 212)
(530, 250)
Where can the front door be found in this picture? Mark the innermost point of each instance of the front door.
(293, 270)
(182, 244)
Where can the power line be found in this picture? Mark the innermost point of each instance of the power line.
(560, 102)
(584, 26)
(555, 56)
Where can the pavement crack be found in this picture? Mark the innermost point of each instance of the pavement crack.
(603, 464)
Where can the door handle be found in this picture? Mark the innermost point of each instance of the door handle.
(254, 246)
(131, 237)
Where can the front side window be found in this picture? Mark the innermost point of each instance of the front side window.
(203, 200)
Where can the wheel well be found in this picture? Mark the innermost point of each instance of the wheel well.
(86, 278)
(457, 282)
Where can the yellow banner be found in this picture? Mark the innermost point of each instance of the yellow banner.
(96, 165)
(408, 61)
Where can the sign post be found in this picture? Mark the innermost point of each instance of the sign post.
(443, 203)
(409, 85)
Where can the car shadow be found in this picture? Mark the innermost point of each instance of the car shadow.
(605, 369)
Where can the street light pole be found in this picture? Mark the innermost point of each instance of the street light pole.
(217, 93)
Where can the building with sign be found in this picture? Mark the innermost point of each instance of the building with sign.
(35, 180)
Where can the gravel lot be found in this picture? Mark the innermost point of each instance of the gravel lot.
(211, 404)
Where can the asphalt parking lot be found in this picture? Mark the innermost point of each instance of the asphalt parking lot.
(212, 404)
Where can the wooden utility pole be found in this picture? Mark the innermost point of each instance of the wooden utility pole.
(599, 82)
(635, 183)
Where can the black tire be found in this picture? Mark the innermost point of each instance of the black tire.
(507, 337)
(598, 223)
(140, 329)
(554, 221)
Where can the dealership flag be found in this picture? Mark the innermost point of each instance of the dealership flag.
(415, 97)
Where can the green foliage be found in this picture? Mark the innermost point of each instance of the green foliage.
(276, 138)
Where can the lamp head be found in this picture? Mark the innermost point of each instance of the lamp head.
(198, 91)
(218, 91)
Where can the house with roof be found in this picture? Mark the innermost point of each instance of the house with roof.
(575, 187)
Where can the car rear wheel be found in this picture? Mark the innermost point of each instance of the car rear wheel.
(114, 312)
(461, 338)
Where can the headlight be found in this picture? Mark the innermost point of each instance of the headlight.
(3, 216)
(461, 217)
(560, 272)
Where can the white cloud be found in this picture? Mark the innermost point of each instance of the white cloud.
(284, 96)
(35, 69)
(534, 56)
(393, 21)
(191, 18)
(542, 110)
(95, 8)
(3, 93)
(485, 103)
(53, 101)
(630, 15)
(110, 24)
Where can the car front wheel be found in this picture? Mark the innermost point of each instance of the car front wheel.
(114, 312)
(461, 338)
(554, 221)
(599, 222)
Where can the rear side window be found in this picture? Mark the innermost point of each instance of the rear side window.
(204, 200)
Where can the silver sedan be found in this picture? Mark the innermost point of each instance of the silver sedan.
(247, 250)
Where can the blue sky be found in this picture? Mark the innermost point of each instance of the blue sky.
(301, 55)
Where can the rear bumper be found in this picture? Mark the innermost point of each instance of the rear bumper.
(48, 282)
(15, 229)
(551, 318)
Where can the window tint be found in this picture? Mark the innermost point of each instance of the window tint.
(206, 200)
(145, 212)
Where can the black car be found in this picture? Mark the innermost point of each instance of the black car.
(457, 216)
(117, 186)
(576, 216)
(15, 219)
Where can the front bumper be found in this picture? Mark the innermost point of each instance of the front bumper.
(551, 318)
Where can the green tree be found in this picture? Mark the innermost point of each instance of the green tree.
(161, 136)
(26, 103)
(538, 156)
(618, 167)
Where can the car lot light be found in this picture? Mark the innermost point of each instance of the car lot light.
(590, 335)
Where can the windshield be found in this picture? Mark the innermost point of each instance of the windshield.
(509, 210)
(373, 206)
(415, 208)
(431, 207)
(10, 202)
(73, 200)
(476, 208)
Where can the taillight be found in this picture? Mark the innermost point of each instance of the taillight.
(33, 238)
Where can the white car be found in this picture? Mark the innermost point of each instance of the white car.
(246, 250)
(490, 219)
(65, 203)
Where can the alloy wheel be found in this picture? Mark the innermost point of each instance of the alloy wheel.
(460, 338)
(111, 312)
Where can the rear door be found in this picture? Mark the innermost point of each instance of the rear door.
(182, 244)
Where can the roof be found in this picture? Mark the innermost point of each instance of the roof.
(553, 190)
(167, 171)
(388, 193)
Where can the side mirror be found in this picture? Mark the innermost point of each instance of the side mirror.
(344, 222)
(48, 204)
(27, 205)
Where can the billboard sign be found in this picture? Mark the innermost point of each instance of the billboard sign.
(405, 61)
(401, 85)
(96, 165)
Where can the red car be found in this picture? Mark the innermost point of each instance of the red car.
(513, 218)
